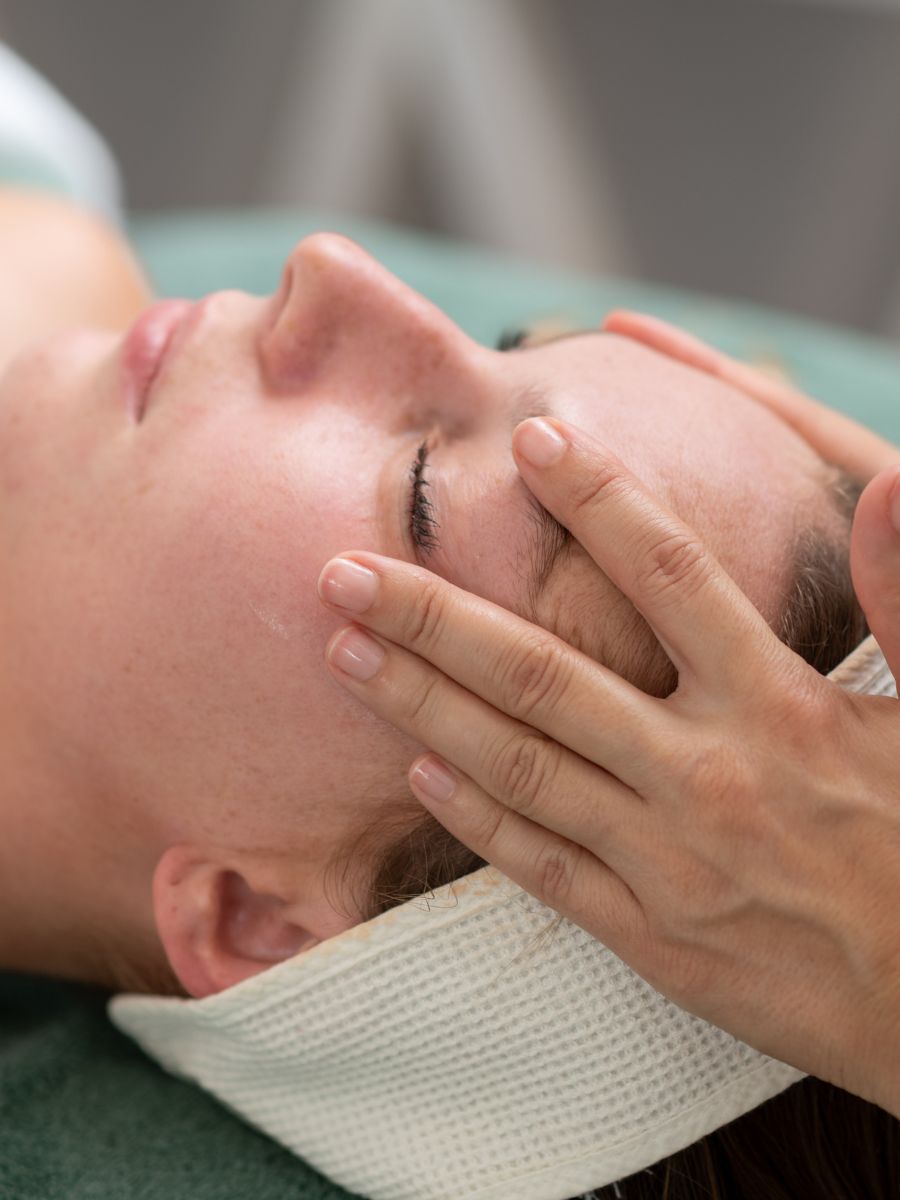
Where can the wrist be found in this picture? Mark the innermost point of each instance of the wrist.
(876, 1065)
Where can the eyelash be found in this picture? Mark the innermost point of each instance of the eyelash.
(422, 525)
(511, 339)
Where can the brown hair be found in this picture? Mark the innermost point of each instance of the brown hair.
(813, 1141)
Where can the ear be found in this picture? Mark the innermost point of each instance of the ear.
(666, 339)
(223, 917)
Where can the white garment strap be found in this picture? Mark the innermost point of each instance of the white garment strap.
(43, 139)
(450, 1049)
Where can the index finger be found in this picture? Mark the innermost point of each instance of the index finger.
(700, 616)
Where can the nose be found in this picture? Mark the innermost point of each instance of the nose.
(340, 316)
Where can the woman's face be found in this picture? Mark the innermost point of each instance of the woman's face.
(162, 639)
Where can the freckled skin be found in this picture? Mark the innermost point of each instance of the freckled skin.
(161, 672)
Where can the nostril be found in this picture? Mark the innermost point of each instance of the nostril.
(290, 344)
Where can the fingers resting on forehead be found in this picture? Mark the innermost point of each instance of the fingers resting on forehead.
(697, 612)
(701, 618)
(550, 757)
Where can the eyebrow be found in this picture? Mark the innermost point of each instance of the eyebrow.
(551, 540)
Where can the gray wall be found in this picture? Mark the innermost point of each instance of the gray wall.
(750, 149)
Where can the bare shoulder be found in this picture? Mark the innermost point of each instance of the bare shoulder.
(62, 266)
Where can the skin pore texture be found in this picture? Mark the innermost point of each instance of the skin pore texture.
(179, 767)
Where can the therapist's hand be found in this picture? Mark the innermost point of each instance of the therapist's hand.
(863, 455)
(737, 843)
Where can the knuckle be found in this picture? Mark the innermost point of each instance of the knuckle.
(673, 562)
(714, 770)
(523, 768)
(601, 482)
(424, 620)
(424, 703)
(556, 872)
(491, 832)
(534, 677)
(740, 815)
(686, 973)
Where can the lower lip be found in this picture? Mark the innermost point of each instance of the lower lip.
(144, 350)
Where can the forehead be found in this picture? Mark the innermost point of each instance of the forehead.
(702, 446)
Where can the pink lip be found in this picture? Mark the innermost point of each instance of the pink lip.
(144, 350)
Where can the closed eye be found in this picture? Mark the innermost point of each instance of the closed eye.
(422, 524)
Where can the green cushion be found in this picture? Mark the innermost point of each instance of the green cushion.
(85, 1116)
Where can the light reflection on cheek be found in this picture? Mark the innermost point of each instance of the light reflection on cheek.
(339, 502)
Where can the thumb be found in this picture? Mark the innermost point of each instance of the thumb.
(875, 561)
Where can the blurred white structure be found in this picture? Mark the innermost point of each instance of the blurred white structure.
(470, 90)
(747, 149)
(48, 138)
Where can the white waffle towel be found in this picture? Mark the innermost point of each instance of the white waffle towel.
(446, 1050)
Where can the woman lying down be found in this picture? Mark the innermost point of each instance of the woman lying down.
(188, 797)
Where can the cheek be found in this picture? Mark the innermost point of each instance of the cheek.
(351, 770)
(168, 634)
(51, 595)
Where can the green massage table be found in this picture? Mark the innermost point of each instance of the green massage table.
(83, 1114)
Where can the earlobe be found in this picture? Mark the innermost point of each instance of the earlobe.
(666, 339)
(220, 921)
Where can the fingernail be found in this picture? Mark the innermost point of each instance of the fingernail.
(539, 442)
(356, 654)
(433, 779)
(348, 585)
(894, 504)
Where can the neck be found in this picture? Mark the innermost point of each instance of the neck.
(72, 904)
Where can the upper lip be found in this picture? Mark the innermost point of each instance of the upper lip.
(152, 340)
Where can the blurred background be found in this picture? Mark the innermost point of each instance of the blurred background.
(748, 149)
